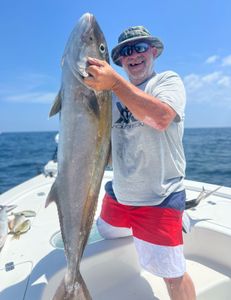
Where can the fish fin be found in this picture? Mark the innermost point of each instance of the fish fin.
(109, 159)
(92, 104)
(212, 192)
(52, 196)
(56, 107)
(72, 292)
(203, 195)
(16, 236)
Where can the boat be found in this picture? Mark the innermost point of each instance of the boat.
(33, 264)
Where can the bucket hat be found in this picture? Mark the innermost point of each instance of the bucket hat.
(135, 33)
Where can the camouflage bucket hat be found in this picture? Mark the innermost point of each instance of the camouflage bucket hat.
(135, 33)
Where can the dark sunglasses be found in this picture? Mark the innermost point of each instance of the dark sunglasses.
(140, 47)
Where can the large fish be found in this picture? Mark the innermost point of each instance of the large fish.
(84, 143)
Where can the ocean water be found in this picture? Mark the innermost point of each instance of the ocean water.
(23, 155)
(207, 151)
(208, 155)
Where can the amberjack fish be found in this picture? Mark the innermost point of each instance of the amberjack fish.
(83, 150)
(202, 196)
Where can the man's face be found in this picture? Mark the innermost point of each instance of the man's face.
(138, 66)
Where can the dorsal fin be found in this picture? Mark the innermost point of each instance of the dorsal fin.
(56, 107)
(53, 195)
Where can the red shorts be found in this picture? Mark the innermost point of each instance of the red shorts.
(159, 225)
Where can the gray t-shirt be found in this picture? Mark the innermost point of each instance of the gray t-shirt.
(148, 165)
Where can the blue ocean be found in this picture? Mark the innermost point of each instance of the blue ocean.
(207, 151)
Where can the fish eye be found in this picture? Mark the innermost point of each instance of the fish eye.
(102, 48)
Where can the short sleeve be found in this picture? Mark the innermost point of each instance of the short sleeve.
(169, 88)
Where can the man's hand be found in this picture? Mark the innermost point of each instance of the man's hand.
(102, 76)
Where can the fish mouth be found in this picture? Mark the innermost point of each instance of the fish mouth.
(85, 25)
(89, 17)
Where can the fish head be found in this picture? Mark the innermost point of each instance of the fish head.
(86, 40)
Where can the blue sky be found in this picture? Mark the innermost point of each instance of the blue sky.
(196, 35)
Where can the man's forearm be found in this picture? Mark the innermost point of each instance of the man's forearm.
(144, 107)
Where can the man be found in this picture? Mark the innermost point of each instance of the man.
(147, 196)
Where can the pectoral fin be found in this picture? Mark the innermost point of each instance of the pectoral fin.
(109, 159)
(91, 104)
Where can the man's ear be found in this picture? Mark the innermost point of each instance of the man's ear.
(120, 60)
(154, 52)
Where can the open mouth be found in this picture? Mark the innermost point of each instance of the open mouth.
(135, 64)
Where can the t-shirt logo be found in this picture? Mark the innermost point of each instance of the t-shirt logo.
(126, 119)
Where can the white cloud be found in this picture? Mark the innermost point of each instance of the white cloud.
(223, 61)
(213, 88)
(226, 61)
(212, 59)
(28, 88)
(225, 81)
(196, 82)
(211, 78)
(31, 97)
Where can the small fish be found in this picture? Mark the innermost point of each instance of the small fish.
(26, 213)
(10, 207)
(83, 150)
(18, 224)
(22, 228)
(3, 225)
(203, 195)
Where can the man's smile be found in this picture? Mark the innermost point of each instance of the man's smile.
(136, 63)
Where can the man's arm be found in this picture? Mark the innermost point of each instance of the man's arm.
(144, 107)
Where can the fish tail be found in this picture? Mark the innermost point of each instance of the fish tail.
(77, 290)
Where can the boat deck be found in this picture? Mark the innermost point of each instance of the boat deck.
(32, 262)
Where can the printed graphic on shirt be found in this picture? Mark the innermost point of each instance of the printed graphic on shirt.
(126, 119)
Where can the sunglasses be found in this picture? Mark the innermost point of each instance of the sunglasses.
(140, 47)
